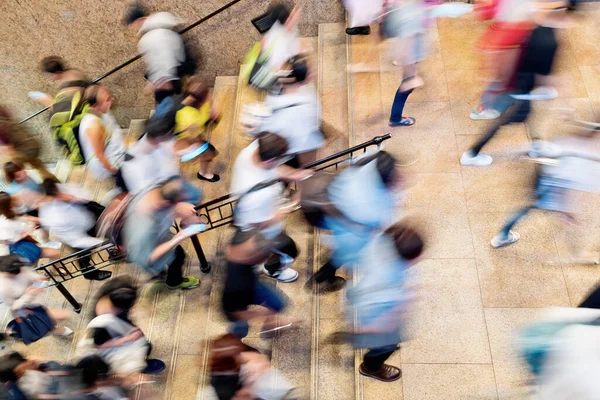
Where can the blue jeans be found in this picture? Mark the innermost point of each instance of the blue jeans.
(514, 219)
(265, 296)
(398, 106)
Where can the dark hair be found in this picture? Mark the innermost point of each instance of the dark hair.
(134, 12)
(409, 243)
(90, 95)
(386, 165)
(8, 364)
(123, 298)
(198, 89)
(161, 126)
(271, 146)
(10, 170)
(92, 368)
(6, 205)
(11, 264)
(170, 190)
(279, 12)
(53, 65)
(50, 188)
(299, 70)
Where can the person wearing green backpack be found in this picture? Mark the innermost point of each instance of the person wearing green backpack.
(66, 108)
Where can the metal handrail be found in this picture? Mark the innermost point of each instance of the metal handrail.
(134, 59)
(69, 267)
(223, 206)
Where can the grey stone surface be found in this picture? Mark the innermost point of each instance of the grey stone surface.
(90, 36)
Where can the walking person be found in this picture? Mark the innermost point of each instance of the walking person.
(243, 288)
(101, 138)
(163, 49)
(502, 44)
(256, 174)
(68, 214)
(534, 70)
(20, 288)
(25, 192)
(198, 110)
(16, 232)
(364, 196)
(147, 232)
(380, 298)
(296, 115)
(19, 146)
(113, 331)
(566, 165)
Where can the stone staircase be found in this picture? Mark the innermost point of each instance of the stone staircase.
(461, 349)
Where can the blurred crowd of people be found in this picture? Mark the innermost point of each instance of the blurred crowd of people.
(357, 204)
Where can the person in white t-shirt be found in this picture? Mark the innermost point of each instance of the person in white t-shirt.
(101, 139)
(296, 115)
(152, 160)
(265, 208)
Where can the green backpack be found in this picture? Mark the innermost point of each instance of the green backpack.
(67, 112)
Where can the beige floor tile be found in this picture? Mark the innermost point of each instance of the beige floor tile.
(592, 84)
(511, 374)
(446, 235)
(448, 381)
(182, 384)
(333, 57)
(435, 192)
(457, 38)
(446, 321)
(525, 274)
(465, 88)
(586, 51)
(547, 121)
(334, 114)
(335, 365)
(506, 184)
(428, 145)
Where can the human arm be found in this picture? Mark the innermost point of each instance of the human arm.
(97, 135)
(102, 338)
(165, 247)
(289, 174)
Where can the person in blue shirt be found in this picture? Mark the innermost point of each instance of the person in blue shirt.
(19, 184)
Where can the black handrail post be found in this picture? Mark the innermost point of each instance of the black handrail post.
(204, 264)
(74, 303)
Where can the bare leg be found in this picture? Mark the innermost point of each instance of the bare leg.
(51, 254)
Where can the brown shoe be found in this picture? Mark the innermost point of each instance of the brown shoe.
(387, 373)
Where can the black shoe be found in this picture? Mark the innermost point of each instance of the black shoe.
(215, 178)
(98, 275)
(359, 30)
(326, 286)
(154, 366)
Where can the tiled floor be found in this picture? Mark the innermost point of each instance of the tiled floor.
(474, 298)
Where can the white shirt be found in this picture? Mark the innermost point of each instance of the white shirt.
(281, 45)
(149, 165)
(12, 290)
(161, 46)
(69, 222)
(259, 206)
(114, 147)
(296, 118)
(12, 230)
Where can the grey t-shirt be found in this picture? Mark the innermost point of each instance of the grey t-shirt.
(143, 232)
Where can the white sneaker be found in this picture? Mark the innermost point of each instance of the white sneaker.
(499, 240)
(489, 113)
(64, 332)
(287, 275)
(51, 244)
(480, 160)
(540, 93)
